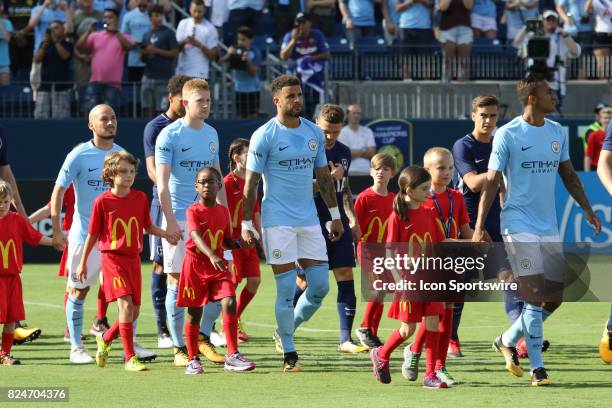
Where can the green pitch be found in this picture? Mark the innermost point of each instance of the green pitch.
(329, 378)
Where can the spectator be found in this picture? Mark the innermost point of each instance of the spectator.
(306, 50)
(6, 31)
(159, 52)
(108, 48)
(595, 142)
(198, 41)
(416, 33)
(517, 13)
(136, 23)
(54, 55)
(602, 40)
(243, 13)
(284, 12)
(483, 19)
(244, 63)
(21, 45)
(596, 125)
(576, 22)
(102, 5)
(360, 140)
(219, 14)
(391, 19)
(323, 15)
(456, 36)
(84, 17)
(562, 48)
(358, 17)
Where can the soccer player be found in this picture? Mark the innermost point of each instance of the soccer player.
(182, 148)
(120, 243)
(286, 150)
(205, 276)
(530, 150)
(82, 168)
(373, 207)
(453, 221)
(158, 277)
(14, 231)
(245, 261)
(412, 220)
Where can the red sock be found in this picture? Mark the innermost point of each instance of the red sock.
(230, 328)
(376, 319)
(192, 330)
(446, 328)
(102, 304)
(432, 339)
(368, 315)
(419, 339)
(127, 338)
(112, 333)
(393, 342)
(244, 299)
(65, 299)
(7, 343)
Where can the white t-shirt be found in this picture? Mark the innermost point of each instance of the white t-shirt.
(191, 60)
(603, 11)
(356, 140)
(219, 12)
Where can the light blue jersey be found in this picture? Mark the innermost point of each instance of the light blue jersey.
(83, 167)
(287, 157)
(186, 150)
(136, 23)
(529, 156)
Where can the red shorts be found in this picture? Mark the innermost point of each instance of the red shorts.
(11, 299)
(413, 312)
(62, 271)
(199, 284)
(246, 264)
(121, 276)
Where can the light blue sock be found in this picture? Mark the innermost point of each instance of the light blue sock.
(317, 277)
(176, 316)
(283, 308)
(212, 310)
(514, 333)
(74, 319)
(532, 327)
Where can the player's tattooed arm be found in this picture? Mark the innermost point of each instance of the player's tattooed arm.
(349, 208)
(326, 186)
(574, 187)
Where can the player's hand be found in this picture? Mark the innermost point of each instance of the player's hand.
(59, 241)
(356, 232)
(506, 275)
(390, 28)
(593, 221)
(335, 230)
(81, 273)
(480, 235)
(348, 23)
(173, 230)
(336, 170)
(217, 262)
(248, 232)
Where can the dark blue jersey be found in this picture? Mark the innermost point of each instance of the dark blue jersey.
(338, 154)
(151, 131)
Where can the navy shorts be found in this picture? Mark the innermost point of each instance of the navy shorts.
(155, 242)
(341, 254)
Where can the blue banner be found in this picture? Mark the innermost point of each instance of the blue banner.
(394, 136)
(572, 221)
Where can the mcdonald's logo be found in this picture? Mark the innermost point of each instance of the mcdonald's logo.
(214, 239)
(454, 228)
(4, 250)
(382, 229)
(405, 306)
(236, 213)
(118, 282)
(188, 293)
(127, 229)
(422, 242)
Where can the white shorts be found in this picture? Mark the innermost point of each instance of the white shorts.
(483, 23)
(532, 255)
(285, 245)
(174, 254)
(94, 266)
(461, 35)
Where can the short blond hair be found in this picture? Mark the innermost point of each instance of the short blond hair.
(111, 165)
(194, 85)
(436, 151)
(5, 189)
(384, 159)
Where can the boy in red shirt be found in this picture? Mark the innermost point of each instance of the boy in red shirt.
(595, 141)
(118, 218)
(14, 231)
(373, 208)
(205, 277)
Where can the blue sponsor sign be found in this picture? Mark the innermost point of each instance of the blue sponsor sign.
(394, 136)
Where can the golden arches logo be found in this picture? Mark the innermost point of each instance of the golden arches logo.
(405, 306)
(453, 228)
(214, 239)
(420, 241)
(236, 214)
(4, 250)
(118, 282)
(382, 229)
(127, 229)
(188, 293)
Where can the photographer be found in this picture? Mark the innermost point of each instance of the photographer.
(244, 62)
(562, 47)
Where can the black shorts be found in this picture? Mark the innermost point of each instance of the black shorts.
(340, 254)
(602, 40)
(417, 41)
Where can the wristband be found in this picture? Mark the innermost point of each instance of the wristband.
(248, 225)
(335, 213)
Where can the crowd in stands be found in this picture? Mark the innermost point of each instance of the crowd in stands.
(93, 46)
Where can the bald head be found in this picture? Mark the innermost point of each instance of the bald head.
(103, 122)
(353, 115)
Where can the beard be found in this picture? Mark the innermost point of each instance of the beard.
(292, 112)
(107, 137)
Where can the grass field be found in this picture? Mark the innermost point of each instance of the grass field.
(329, 378)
